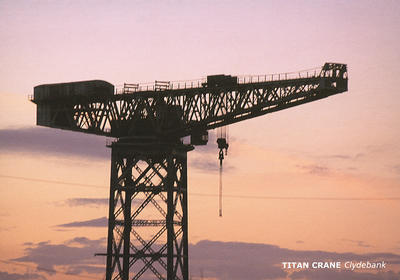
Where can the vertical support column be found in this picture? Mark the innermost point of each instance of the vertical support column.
(147, 227)
(127, 220)
(111, 218)
(170, 219)
(185, 237)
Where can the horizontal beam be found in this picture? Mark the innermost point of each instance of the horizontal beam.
(175, 113)
(143, 223)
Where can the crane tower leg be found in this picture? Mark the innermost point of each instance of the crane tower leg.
(147, 225)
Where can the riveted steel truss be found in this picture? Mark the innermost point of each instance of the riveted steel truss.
(147, 230)
(179, 112)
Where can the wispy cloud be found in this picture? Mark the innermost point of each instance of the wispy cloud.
(7, 228)
(90, 202)
(396, 169)
(16, 276)
(346, 156)
(48, 141)
(76, 254)
(40, 140)
(315, 169)
(94, 202)
(359, 243)
(100, 222)
(209, 165)
(209, 259)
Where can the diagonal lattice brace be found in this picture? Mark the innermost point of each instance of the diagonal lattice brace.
(143, 240)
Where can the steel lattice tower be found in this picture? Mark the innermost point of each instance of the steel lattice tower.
(143, 172)
(148, 219)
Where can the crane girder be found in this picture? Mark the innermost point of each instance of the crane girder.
(175, 113)
(148, 160)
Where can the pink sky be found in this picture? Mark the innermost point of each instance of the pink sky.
(346, 146)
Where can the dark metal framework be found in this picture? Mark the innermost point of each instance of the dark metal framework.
(181, 112)
(149, 162)
(148, 180)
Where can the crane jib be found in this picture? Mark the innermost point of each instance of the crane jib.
(169, 111)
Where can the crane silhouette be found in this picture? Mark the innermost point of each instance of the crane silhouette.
(148, 215)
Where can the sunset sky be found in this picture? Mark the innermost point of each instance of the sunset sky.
(318, 181)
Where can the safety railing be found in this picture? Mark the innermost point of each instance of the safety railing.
(160, 86)
(199, 83)
(309, 73)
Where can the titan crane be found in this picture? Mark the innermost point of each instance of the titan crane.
(148, 215)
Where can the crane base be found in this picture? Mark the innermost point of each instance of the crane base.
(147, 226)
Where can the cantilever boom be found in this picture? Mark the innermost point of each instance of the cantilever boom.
(168, 112)
(149, 162)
